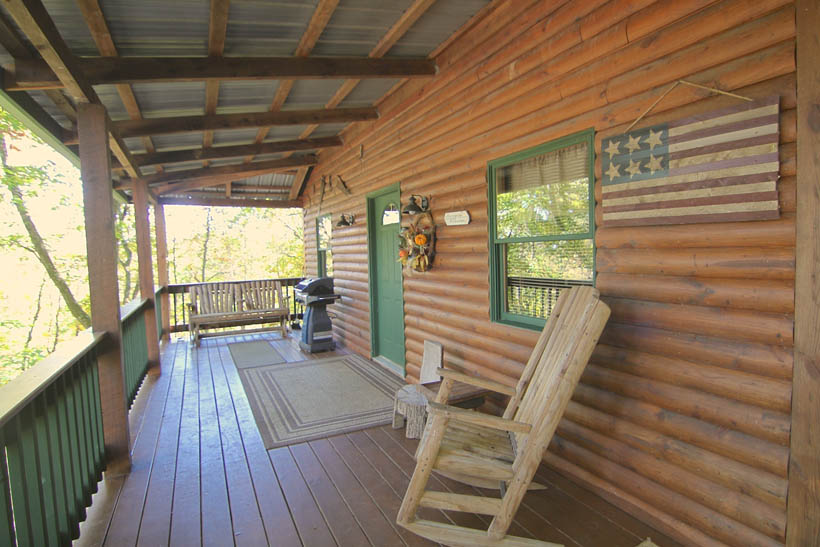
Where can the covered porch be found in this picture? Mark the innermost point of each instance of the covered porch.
(696, 421)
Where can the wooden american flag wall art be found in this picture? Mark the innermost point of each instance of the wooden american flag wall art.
(720, 166)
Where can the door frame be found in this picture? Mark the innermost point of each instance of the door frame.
(372, 218)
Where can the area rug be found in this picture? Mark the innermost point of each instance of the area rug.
(308, 400)
(254, 354)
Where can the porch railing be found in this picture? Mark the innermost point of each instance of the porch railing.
(158, 308)
(178, 300)
(134, 346)
(51, 445)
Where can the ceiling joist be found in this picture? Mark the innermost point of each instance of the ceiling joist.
(184, 124)
(33, 20)
(213, 176)
(131, 70)
(221, 152)
(231, 202)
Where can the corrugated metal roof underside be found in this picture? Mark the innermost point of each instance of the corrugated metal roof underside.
(440, 21)
(154, 28)
(357, 26)
(266, 29)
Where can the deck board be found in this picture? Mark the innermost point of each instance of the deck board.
(217, 527)
(248, 526)
(201, 475)
(156, 527)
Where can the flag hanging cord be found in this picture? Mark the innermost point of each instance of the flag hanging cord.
(673, 86)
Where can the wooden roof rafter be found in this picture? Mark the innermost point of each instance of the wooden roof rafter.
(393, 35)
(318, 21)
(33, 19)
(223, 152)
(230, 202)
(12, 42)
(190, 179)
(142, 70)
(184, 124)
(97, 25)
(217, 32)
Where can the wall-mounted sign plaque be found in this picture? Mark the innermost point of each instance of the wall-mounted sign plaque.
(457, 218)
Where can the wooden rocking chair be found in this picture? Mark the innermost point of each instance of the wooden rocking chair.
(503, 452)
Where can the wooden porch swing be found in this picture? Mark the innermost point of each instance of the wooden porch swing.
(503, 452)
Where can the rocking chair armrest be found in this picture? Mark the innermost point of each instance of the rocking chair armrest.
(492, 385)
(479, 418)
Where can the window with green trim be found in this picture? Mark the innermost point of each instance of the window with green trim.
(541, 211)
(324, 254)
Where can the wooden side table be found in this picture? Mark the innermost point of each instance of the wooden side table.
(410, 404)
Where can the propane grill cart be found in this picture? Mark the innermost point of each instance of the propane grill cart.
(317, 331)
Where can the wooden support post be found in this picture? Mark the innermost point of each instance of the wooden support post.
(803, 526)
(98, 202)
(162, 267)
(146, 270)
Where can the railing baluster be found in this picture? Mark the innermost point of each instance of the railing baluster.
(25, 491)
(6, 515)
(45, 470)
(58, 470)
(68, 448)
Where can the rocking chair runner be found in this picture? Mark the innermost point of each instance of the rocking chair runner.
(503, 452)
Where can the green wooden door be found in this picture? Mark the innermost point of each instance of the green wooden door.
(386, 300)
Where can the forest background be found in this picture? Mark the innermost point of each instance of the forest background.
(42, 189)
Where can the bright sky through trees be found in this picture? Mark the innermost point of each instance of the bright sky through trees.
(241, 243)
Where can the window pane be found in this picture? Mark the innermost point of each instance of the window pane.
(544, 195)
(323, 231)
(536, 272)
(329, 263)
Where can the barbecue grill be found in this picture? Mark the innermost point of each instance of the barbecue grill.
(317, 331)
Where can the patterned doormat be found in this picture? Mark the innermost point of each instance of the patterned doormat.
(308, 400)
(254, 354)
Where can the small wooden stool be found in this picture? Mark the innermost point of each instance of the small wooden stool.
(410, 406)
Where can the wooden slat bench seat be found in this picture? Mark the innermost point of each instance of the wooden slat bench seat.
(227, 304)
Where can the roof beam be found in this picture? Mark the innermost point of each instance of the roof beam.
(213, 176)
(231, 202)
(33, 20)
(183, 124)
(220, 152)
(129, 70)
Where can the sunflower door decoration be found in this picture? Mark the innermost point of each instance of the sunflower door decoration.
(417, 243)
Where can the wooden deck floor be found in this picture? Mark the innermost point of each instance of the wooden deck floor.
(201, 476)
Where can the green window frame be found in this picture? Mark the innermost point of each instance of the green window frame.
(542, 290)
(324, 253)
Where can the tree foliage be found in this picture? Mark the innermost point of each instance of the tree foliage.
(42, 237)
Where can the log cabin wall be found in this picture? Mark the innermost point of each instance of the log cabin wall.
(682, 417)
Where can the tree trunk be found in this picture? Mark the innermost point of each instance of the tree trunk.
(205, 242)
(39, 247)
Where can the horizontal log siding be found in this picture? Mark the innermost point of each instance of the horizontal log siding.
(683, 416)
